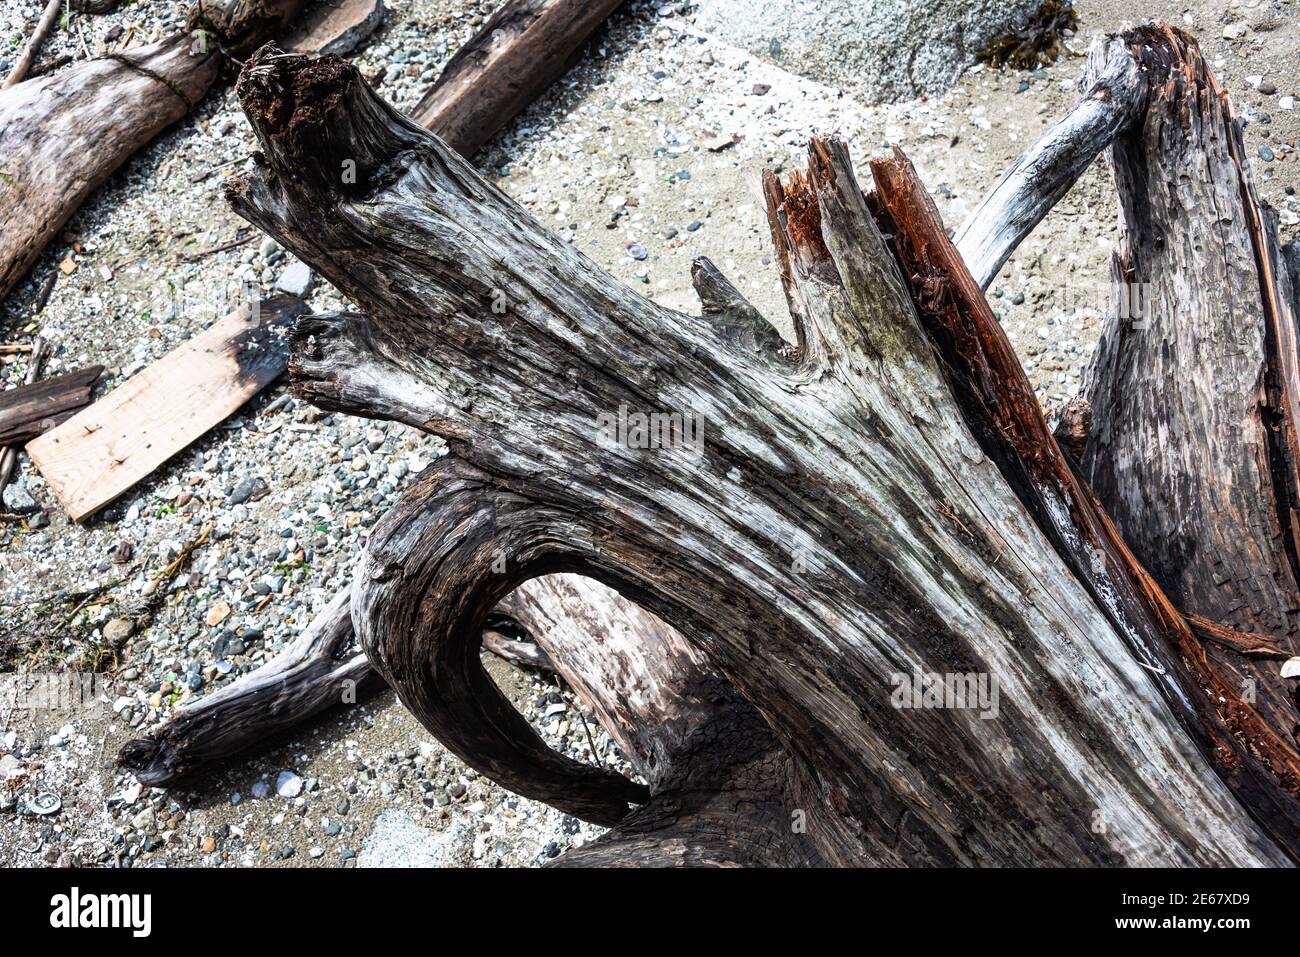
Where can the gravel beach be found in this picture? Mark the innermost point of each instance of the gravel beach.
(644, 156)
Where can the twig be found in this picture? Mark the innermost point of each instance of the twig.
(43, 297)
(29, 52)
(193, 257)
(9, 456)
(7, 349)
(200, 177)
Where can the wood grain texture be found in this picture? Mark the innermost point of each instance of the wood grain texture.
(1113, 101)
(62, 135)
(1192, 444)
(105, 449)
(29, 410)
(841, 524)
(520, 51)
(335, 26)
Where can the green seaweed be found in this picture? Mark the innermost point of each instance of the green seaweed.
(1038, 43)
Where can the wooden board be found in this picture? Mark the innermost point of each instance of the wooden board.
(26, 411)
(106, 448)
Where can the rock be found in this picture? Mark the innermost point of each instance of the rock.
(18, 499)
(397, 841)
(217, 613)
(296, 280)
(1266, 154)
(894, 50)
(1234, 31)
(118, 630)
(288, 784)
(260, 790)
(1267, 87)
(250, 487)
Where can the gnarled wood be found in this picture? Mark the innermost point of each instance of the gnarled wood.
(1192, 446)
(1115, 97)
(839, 527)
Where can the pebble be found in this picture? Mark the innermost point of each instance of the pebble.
(18, 499)
(296, 280)
(118, 630)
(288, 784)
(260, 790)
(1266, 154)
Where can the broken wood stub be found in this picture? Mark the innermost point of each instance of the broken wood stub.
(29, 410)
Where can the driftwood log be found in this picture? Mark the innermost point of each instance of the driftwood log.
(62, 135)
(194, 740)
(885, 501)
(1195, 385)
(520, 51)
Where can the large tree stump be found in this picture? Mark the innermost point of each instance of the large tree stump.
(859, 510)
(1195, 384)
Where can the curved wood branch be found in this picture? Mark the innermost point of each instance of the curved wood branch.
(320, 670)
(1040, 176)
(837, 527)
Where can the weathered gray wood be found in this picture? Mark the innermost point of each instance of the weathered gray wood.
(320, 670)
(62, 135)
(520, 51)
(1115, 98)
(241, 26)
(840, 526)
(1192, 447)
(335, 26)
(30, 409)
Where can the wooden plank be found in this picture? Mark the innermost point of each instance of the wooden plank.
(26, 410)
(109, 446)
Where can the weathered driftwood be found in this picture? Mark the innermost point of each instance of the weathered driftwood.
(30, 409)
(520, 51)
(335, 26)
(1116, 91)
(9, 454)
(62, 135)
(585, 632)
(318, 671)
(43, 27)
(1194, 387)
(241, 26)
(855, 513)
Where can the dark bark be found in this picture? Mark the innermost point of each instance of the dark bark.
(27, 411)
(843, 523)
(241, 26)
(319, 671)
(520, 51)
